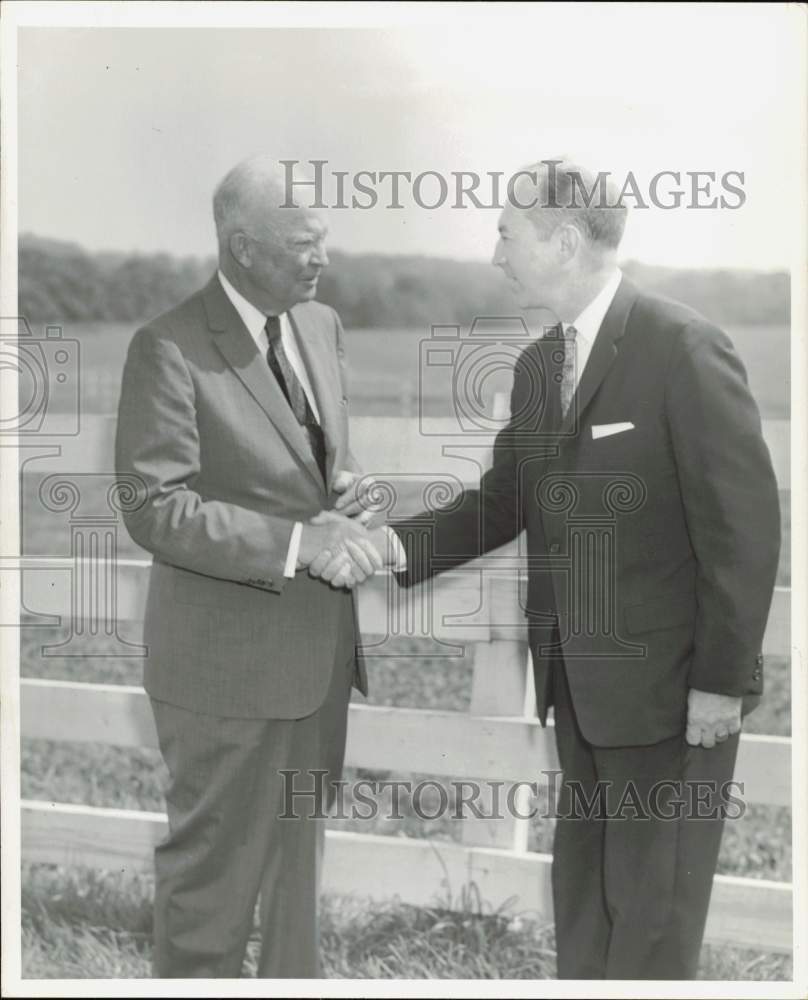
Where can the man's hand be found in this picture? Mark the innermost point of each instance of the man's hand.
(338, 550)
(359, 495)
(711, 718)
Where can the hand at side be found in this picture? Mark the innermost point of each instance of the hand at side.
(711, 718)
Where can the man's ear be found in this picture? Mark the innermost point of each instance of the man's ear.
(569, 241)
(240, 249)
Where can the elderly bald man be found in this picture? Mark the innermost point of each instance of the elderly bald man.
(233, 419)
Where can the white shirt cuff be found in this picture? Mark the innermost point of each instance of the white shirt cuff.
(399, 555)
(290, 565)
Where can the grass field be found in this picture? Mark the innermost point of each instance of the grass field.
(385, 368)
(88, 925)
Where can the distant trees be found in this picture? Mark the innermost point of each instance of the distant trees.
(62, 282)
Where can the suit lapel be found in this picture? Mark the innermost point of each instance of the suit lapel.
(239, 350)
(313, 347)
(603, 353)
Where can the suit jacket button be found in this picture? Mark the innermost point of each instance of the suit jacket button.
(759, 658)
(555, 548)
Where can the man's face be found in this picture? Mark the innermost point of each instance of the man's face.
(287, 260)
(531, 264)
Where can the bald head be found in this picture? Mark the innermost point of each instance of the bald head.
(271, 254)
(249, 199)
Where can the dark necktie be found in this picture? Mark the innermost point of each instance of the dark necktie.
(568, 370)
(558, 361)
(294, 392)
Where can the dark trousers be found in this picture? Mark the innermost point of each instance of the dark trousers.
(630, 893)
(227, 843)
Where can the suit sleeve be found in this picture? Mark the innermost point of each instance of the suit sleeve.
(476, 522)
(731, 506)
(157, 449)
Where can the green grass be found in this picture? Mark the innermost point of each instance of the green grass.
(85, 924)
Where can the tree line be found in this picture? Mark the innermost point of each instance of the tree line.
(62, 282)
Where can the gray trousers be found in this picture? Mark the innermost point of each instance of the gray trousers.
(228, 846)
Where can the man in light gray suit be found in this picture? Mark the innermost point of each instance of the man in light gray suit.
(233, 419)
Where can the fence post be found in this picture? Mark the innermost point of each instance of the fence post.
(502, 685)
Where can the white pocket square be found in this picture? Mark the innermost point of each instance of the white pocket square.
(604, 430)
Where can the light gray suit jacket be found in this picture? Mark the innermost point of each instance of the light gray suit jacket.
(223, 472)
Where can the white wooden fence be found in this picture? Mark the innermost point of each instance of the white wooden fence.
(498, 739)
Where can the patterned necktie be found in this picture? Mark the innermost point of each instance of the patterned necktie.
(568, 370)
(294, 392)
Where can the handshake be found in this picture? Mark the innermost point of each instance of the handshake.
(339, 546)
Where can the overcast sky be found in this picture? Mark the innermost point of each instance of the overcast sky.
(123, 133)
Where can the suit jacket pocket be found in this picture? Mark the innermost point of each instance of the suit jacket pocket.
(660, 613)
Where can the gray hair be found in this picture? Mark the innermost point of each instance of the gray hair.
(252, 190)
(563, 191)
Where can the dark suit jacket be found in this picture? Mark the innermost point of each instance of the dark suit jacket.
(224, 470)
(653, 551)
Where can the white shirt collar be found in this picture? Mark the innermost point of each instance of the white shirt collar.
(591, 317)
(251, 316)
(255, 321)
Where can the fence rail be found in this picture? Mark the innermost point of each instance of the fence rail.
(744, 912)
(379, 738)
(499, 739)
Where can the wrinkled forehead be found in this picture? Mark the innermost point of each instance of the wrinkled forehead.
(294, 223)
(300, 222)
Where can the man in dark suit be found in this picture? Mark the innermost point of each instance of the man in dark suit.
(635, 465)
(233, 420)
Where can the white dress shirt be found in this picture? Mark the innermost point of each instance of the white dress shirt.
(256, 321)
(590, 320)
